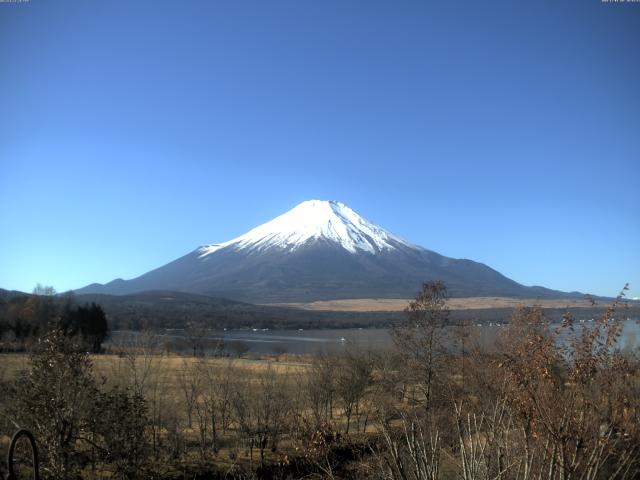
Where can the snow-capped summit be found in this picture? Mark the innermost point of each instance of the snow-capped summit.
(314, 220)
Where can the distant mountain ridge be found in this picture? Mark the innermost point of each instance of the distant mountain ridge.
(319, 250)
(155, 310)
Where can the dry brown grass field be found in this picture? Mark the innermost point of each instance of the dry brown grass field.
(108, 366)
(397, 305)
(163, 378)
(168, 371)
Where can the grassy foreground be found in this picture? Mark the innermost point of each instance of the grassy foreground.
(548, 402)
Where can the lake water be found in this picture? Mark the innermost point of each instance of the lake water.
(311, 341)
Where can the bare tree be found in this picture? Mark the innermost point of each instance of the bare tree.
(189, 382)
(213, 405)
(261, 410)
(420, 337)
(353, 377)
(320, 387)
(195, 333)
(140, 367)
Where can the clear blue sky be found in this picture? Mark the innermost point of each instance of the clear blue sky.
(505, 132)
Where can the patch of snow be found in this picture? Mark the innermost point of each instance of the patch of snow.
(314, 219)
(211, 248)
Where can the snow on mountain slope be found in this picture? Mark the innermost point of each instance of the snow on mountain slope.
(313, 220)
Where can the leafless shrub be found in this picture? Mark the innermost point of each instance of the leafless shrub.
(411, 450)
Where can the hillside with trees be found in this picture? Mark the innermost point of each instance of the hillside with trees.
(24, 319)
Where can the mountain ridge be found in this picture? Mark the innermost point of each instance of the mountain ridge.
(319, 250)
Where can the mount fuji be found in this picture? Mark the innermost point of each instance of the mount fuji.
(319, 250)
